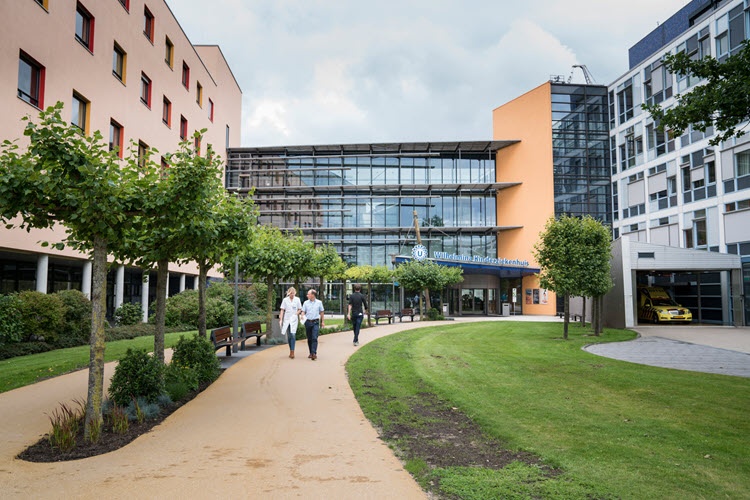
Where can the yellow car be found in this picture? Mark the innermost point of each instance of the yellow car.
(655, 305)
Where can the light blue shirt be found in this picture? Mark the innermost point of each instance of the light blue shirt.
(312, 309)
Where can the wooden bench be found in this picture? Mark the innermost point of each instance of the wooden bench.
(383, 314)
(249, 330)
(222, 337)
(408, 311)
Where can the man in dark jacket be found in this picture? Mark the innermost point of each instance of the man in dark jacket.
(357, 311)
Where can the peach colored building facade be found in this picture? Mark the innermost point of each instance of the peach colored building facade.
(127, 69)
(528, 118)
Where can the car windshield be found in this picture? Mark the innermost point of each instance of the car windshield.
(663, 302)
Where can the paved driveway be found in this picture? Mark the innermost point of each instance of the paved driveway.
(709, 349)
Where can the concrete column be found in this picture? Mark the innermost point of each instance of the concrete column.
(144, 297)
(42, 267)
(167, 287)
(182, 283)
(196, 282)
(86, 280)
(119, 286)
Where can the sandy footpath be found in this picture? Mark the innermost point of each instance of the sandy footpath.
(270, 427)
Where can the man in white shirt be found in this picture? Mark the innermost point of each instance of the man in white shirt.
(314, 314)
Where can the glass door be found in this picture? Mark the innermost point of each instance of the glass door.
(473, 300)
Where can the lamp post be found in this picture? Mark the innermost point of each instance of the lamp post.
(236, 300)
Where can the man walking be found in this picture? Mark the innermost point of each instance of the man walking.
(314, 313)
(357, 309)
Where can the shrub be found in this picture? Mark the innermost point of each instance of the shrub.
(182, 309)
(258, 296)
(77, 320)
(139, 330)
(179, 381)
(433, 315)
(137, 375)
(118, 419)
(42, 316)
(128, 314)
(197, 353)
(224, 290)
(23, 349)
(140, 409)
(10, 319)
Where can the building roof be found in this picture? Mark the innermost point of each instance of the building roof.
(474, 147)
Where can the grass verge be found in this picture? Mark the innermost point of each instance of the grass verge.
(25, 370)
(609, 429)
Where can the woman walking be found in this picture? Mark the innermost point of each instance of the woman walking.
(289, 317)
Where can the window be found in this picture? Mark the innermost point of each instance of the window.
(742, 163)
(125, 4)
(115, 137)
(197, 144)
(169, 52)
(164, 163)
(145, 90)
(166, 113)
(142, 154)
(199, 94)
(625, 101)
(119, 59)
(30, 80)
(185, 75)
(738, 205)
(43, 3)
(148, 24)
(80, 112)
(183, 127)
(84, 27)
(210, 109)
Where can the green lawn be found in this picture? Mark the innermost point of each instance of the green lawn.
(615, 429)
(25, 370)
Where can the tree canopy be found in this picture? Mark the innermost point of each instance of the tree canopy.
(426, 274)
(66, 177)
(722, 101)
(573, 255)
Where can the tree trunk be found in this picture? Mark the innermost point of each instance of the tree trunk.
(599, 315)
(202, 273)
(269, 307)
(421, 309)
(566, 315)
(162, 273)
(96, 340)
(320, 289)
(427, 304)
(583, 313)
(594, 312)
(369, 302)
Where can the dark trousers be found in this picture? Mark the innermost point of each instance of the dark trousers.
(312, 328)
(356, 325)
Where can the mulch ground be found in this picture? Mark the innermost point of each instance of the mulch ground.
(42, 451)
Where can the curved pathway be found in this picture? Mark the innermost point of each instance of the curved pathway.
(270, 427)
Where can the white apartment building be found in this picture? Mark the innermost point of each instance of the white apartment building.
(680, 191)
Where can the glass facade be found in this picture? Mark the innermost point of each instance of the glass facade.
(361, 198)
(580, 142)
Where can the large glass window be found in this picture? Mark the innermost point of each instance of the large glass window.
(115, 137)
(742, 163)
(80, 112)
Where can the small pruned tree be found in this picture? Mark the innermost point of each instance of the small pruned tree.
(571, 253)
(721, 101)
(270, 256)
(67, 177)
(369, 274)
(427, 274)
(328, 265)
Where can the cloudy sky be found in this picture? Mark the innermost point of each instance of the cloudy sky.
(347, 71)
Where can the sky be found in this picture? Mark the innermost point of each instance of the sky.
(348, 71)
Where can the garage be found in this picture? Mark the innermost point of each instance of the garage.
(709, 284)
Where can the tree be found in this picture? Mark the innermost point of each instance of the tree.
(573, 254)
(328, 265)
(369, 275)
(216, 236)
(271, 256)
(178, 200)
(67, 177)
(427, 274)
(596, 276)
(722, 102)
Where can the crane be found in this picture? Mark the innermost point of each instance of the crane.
(586, 74)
